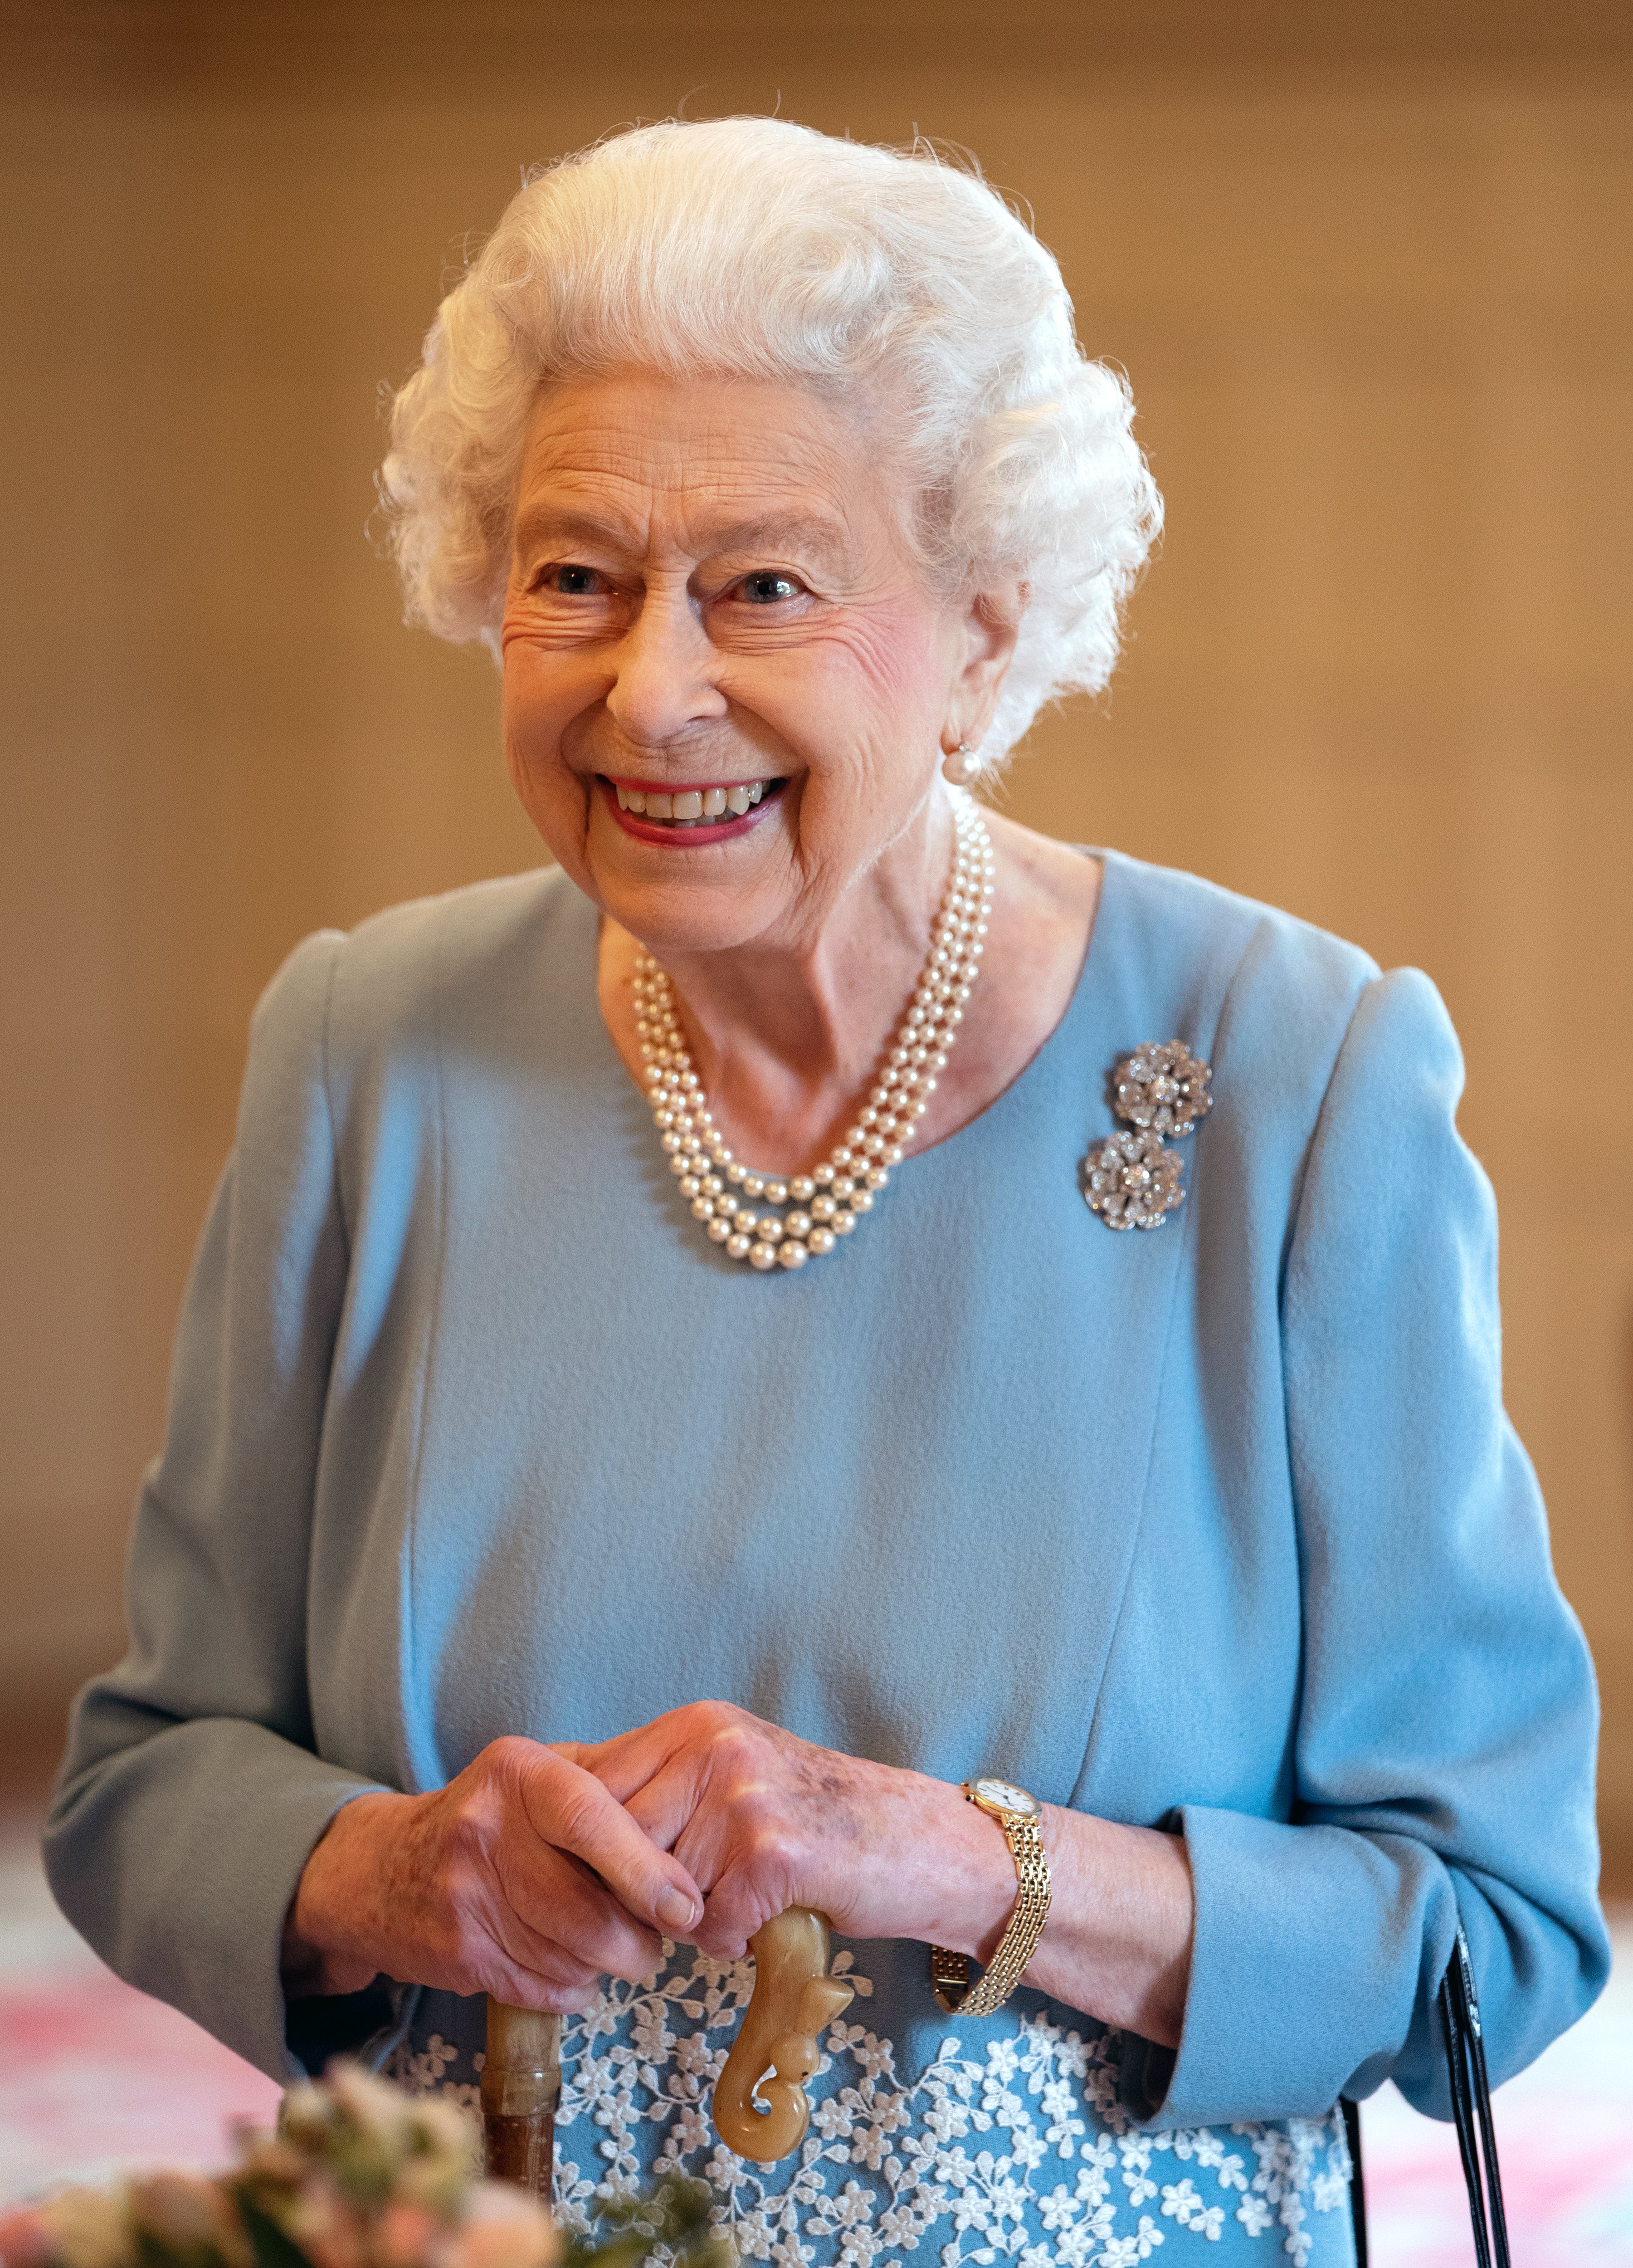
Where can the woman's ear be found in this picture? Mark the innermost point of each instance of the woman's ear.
(990, 625)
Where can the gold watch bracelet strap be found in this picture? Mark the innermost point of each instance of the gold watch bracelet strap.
(949, 1972)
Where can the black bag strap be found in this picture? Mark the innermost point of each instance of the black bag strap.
(1357, 2182)
(1471, 2107)
(1471, 2112)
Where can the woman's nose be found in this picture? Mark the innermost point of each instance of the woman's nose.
(665, 669)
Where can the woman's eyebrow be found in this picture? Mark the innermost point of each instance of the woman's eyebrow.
(812, 535)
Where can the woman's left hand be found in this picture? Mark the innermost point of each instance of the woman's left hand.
(763, 1821)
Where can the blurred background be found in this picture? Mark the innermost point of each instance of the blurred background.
(1369, 269)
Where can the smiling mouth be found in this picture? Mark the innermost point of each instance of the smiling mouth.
(704, 811)
(691, 806)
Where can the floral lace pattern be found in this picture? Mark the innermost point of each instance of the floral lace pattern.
(1023, 2153)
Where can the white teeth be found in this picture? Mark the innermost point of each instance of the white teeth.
(690, 806)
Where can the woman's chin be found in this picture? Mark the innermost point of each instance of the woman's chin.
(706, 900)
(689, 914)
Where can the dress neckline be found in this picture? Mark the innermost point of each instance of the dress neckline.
(1027, 1076)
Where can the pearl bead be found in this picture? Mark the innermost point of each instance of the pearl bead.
(719, 1231)
(672, 1141)
(677, 1164)
(691, 1187)
(703, 1208)
(713, 1186)
(776, 1192)
(752, 1186)
(842, 1223)
(762, 1255)
(802, 1187)
(822, 1174)
(797, 1223)
(862, 1201)
(893, 1156)
(879, 1177)
(770, 1229)
(746, 1223)
(737, 1245)
(866, 1117)
(844, 1186)
(792, 1255)
(822, 1208)
(736, 1171)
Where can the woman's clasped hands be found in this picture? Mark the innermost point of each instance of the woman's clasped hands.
(541, 1869)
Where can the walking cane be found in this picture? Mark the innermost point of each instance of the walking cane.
(761, 2108)
(521, 2085)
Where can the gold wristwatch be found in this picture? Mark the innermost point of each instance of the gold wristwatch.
(1018, 1815)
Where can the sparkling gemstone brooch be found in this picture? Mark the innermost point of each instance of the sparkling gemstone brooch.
(1132, 1179)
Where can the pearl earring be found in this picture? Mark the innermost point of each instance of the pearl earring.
(961, 766)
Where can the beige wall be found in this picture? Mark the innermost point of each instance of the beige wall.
(1377, 304)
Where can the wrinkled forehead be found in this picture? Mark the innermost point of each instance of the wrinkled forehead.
(721, 463)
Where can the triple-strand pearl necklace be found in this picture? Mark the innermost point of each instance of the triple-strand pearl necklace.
(829, 1200)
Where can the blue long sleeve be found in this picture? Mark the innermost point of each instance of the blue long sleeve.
(1446, 1718)
(192, 1796)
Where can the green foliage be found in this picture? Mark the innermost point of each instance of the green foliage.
(675, 2219)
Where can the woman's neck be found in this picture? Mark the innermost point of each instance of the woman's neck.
(787, 1036)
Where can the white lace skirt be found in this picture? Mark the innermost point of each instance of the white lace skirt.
(1013, 2145)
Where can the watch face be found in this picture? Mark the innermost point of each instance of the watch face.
(1004, 1796)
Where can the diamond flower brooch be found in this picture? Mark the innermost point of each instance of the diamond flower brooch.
(1132, 1179)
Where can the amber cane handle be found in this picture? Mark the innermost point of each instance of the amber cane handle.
(759, 2107)
(521, 2085)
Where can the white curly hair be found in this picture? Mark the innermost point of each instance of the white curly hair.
(752, 247)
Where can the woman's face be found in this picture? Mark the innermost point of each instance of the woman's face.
(710, 601)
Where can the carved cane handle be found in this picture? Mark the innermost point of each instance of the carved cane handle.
(777, 2047)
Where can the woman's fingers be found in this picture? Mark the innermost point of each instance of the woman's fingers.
(551, 1901)
(569, 1810)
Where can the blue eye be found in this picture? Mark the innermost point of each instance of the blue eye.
(573, 582)
(768, 587)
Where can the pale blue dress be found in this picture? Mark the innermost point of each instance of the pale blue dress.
(1219, 1525)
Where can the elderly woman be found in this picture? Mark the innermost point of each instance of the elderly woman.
(1049, 1330)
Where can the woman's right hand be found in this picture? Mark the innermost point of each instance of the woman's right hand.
(523, 1878)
